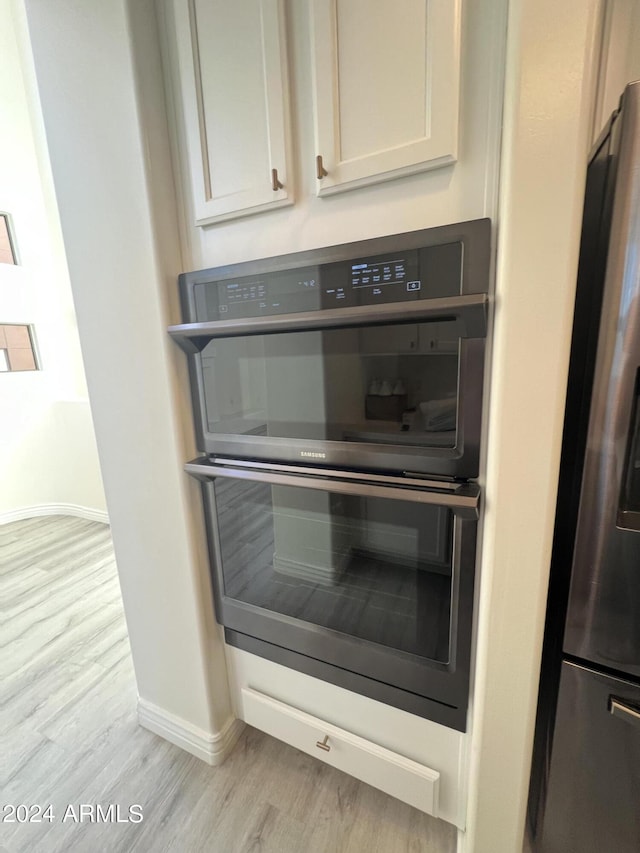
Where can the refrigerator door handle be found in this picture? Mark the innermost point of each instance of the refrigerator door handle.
(623, 711)
(629, 501)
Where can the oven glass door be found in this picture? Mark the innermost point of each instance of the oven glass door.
(373, 577)
(344, 394)
(393, 383)
(369, 567)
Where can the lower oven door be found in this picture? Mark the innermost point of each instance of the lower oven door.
(362, 580)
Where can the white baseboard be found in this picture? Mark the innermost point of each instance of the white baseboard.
(208, 746)
(55, 509)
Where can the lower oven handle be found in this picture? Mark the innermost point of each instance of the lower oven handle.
(464, 501)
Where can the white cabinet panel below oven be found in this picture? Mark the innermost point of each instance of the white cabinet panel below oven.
(394, 774)
(423, 742)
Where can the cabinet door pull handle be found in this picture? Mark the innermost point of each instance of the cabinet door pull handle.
(322, 744)
(321, 172)
(275, 183)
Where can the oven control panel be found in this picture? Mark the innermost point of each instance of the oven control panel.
(402, 276)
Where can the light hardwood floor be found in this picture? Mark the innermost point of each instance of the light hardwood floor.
(69, 735)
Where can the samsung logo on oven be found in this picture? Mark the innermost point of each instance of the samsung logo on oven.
(312, 454)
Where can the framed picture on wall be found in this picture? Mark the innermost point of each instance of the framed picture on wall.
(8, 251)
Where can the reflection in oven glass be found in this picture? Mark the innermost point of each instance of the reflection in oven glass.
(372, 568)
(393, 384)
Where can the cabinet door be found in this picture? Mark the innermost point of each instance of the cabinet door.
(386, 88)
(232, 73)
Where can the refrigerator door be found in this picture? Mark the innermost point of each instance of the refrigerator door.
(602, 623)
(594, 778)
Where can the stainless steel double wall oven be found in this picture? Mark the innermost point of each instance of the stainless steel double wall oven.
(337, 396)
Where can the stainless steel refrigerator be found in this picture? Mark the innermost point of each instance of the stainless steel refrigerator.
(585, 784)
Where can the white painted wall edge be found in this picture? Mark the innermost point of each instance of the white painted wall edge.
(552, 52)
(75, 510)
(131, 387)
(211, 747)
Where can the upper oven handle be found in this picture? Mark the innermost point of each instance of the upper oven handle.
(469, 312)
(463, 499)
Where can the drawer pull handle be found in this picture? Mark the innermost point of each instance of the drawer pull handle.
(322, 744)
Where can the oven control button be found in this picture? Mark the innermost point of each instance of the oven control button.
(414, 285)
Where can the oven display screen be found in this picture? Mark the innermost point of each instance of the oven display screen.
(242, 292)
(375, 276)
(368, 281)
(370, 275)
(238, 295)
(272, 293)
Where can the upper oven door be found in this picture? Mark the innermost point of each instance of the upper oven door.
(329, 363)
(373, 574)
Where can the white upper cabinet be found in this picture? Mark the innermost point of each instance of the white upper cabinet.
(386, 89)
(233, 82)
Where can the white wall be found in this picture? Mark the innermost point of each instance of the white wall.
(121, 240)
(48, 457)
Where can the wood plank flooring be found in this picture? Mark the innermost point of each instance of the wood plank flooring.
(69, 734)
